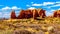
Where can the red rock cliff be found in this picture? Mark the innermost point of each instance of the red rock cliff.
(29, 14)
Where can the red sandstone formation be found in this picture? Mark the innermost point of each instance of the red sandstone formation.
(35, 14)
(42, 13)
(39, 13)
(56, 13)
(21, 15)
(25, 14)
(30, 14)
(13, 15)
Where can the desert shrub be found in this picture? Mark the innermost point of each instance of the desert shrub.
(21, 32)
(6, 32)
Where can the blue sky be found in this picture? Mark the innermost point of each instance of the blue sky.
(6, 6)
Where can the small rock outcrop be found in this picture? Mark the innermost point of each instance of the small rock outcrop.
(13, 15)
(56, 13)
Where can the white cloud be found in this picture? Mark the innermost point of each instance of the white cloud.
(58, 2)
(36, 4)
(8, 8)
(1, 14)
(31, 8)
(15, 8)
(47, 3)
(49, 13)
(52, 10)
(43, 4)
(6, 15)
(57, 5)
(54, 5)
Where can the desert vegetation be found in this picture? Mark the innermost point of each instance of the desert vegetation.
(30, 26)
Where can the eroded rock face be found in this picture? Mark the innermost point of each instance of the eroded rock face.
(13, 15)
(21, 14)
(41, 13)
(28, 14)
(31, 14)
(25, 14)
(35, 14)
(56, 13)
